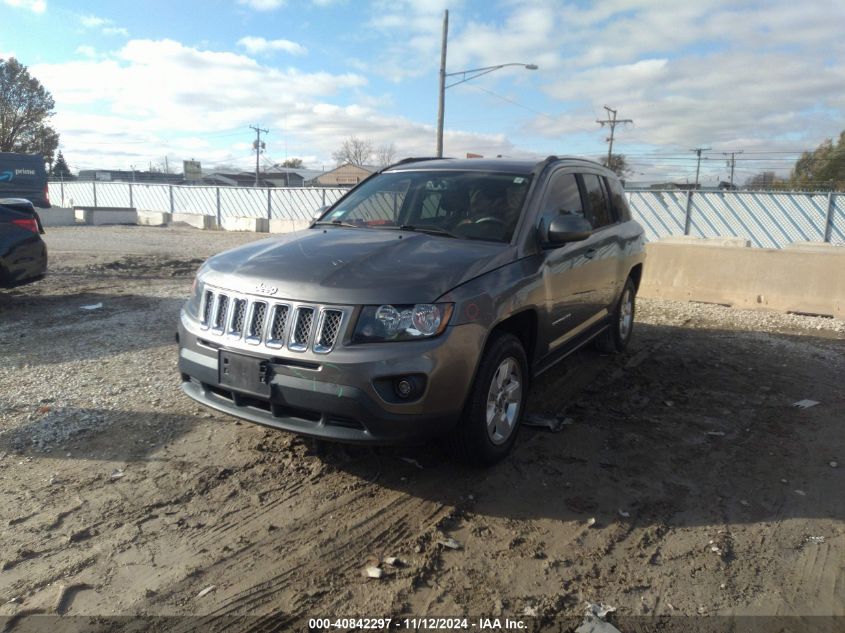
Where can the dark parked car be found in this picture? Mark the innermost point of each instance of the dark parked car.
(421, 303)
(23, 254)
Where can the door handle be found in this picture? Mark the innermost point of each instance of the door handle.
(590, 253)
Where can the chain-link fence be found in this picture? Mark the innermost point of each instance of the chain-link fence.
(769, 219)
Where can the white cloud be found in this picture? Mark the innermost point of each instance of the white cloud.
(36, 6)
(257, 45)
(86, 51)
(93, 21)
(151, 92)
(263, 5)
(115, 30)
(105, 25)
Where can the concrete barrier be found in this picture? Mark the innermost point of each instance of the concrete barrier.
(288, 226)
(256, 225)
(154, 218)
(195, 220)
(787, 280)
(106, 215)
(706, 241)
(57, 216)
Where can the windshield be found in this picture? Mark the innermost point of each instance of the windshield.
(463, 204)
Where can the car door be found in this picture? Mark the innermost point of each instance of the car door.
(603, 244)
(569, 271)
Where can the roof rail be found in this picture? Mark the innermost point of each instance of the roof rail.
(539, 167)
(405, 161)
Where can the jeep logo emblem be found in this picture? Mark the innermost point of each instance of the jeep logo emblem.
(266, 290)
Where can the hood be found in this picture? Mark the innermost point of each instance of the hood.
(355, 266)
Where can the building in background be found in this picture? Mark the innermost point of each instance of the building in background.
(347, 175)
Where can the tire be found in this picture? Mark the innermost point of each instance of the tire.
(616, 337)
(495, 405)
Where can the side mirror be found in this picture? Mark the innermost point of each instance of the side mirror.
(567, 228)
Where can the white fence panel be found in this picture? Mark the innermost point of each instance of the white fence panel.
(113, 194)
(80, 194)
(837, 217)
(150, 197)
(243, 202)
(660, 212)
(197, 200)
(300, 203)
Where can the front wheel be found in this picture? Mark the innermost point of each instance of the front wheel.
(496, 403)
(616, 337)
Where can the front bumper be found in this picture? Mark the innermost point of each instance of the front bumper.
(335, 396)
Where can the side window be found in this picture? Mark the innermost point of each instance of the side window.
(598, 209)
(619, 200)
(562, 196)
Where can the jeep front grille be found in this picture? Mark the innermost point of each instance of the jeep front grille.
(275, 324)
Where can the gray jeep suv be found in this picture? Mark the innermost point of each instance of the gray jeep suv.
(421, 303)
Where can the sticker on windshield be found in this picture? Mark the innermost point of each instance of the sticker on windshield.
(518, 180)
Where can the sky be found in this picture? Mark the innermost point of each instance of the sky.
(137, 81)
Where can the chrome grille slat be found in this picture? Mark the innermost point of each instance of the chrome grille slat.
(207, 304)
(328, 330)
(236, 327)
(274, 324)
(221, 305)
(256, 322)
(301, 331)
(278, 323)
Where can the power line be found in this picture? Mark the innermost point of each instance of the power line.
(612, 122)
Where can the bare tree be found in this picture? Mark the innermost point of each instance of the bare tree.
(354, 150)
(618, 164)
(25, 107)
(293, 163)
(385, 155)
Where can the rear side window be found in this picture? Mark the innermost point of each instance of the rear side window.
(618, 200)
(598, 207)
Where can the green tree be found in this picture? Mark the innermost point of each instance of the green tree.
(25, 109)
(618, 164)
(293, 163)
(60, 169)
(822, 168)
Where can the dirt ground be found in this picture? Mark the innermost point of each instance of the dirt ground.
(682, 487)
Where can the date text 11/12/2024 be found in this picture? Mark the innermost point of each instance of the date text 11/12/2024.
(417, 624)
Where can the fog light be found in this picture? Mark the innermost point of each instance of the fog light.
(404, 388)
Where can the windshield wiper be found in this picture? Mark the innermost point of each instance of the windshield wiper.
(336, 223)
(434, 230)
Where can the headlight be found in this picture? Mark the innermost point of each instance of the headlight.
(401, 322)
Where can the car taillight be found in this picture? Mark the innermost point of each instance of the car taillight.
(27, 223)
(47, 194)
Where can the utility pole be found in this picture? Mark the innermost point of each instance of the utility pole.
(698, 151)
(258, 145)
(441, 93)
(731, 162)
(612, 122)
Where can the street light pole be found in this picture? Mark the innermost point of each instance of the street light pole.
(466, 76)
(441, 95)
